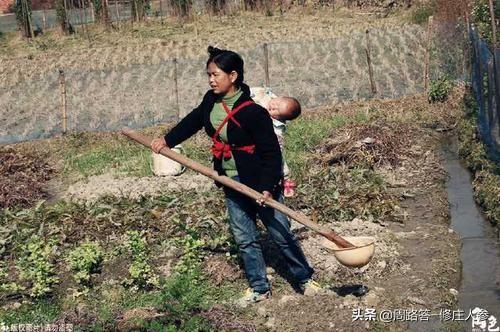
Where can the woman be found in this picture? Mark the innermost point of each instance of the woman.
(246, 149)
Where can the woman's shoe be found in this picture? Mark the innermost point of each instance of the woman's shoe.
(251, 297)
(311, 288)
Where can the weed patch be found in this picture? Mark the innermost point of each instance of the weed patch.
(185, 296)
(36, 266)
(85, 260)
(141, 273)
(486, 172)
(439, 90)
(341, 194)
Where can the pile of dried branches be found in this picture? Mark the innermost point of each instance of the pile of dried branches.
(22, 178)
(369, 145)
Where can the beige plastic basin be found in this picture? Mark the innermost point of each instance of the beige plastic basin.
(353, 257)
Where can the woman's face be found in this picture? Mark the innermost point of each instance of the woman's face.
(220, 81)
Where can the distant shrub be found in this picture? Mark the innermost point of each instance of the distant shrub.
(421, 12)
(482, 19)
(439, 90)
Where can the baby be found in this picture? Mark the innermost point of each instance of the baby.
(281, 109)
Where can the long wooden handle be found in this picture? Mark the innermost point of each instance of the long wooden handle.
(228, 182)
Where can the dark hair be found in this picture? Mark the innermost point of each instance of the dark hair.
(295, 108)
(227, 61)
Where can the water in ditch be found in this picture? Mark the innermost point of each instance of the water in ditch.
(480, 278)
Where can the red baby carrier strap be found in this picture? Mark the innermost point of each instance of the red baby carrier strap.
(221, 149)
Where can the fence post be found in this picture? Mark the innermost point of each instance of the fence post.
(70, 12)
(136, 12)
(369, 61)
(44, 19)
(161, 12)
(480, 79)
(427, 54)
(493, 123)
(496, 56)
(80, 15)
(62, 88)
(176, 86)
(66, 18)
(266, 64)
(493, 24)
(117, 14)
(92, 14)
(86, 28)
(107, 14)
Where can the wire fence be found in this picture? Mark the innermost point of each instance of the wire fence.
(382, 63)
(486, 85)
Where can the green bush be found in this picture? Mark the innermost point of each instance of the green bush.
(183, 296)
(439, 90)
(85, 260)
(7, 287)
(482, 19)
(192, 252)
(142, 275)
(487, 194)
(36, 266)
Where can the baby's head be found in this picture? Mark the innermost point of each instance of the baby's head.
(284, 108)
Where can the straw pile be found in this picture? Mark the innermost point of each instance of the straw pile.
(22, 178)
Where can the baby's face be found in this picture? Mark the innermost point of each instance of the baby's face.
(277, 108)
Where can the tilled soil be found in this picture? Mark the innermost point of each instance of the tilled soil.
(110, 184)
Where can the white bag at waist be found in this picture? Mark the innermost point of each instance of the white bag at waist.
(163, 166)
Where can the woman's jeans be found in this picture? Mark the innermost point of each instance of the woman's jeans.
(242, 219)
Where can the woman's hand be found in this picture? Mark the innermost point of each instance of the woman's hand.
(157, 144)
(265, 196)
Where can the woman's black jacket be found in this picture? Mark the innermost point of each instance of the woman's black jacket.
(260, 170)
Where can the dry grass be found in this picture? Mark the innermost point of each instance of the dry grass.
(23, 178)
(371, 145)
(220, 270)
(152, 42)
(224, 320)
